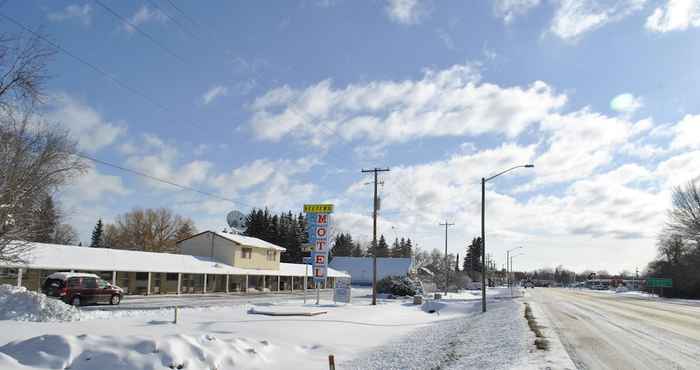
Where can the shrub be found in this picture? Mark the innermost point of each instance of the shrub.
(399, 286)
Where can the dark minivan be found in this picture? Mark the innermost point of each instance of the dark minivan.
(80, 289)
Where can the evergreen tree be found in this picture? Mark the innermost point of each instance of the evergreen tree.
(357, 250)
(342, 245)
(395, 250)
(97, 240)
(382, 248)
(457, 263)
(408, 249)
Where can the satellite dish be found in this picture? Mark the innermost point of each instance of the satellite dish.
(236, 220)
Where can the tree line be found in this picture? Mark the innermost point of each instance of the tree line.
(679, 244)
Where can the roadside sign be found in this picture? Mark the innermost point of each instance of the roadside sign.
(659, 283)
(342, 291)
(318, 208)
(318, 219)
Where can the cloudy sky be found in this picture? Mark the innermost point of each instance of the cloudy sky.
(275, 104)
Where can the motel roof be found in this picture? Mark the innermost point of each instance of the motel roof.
(68, 257)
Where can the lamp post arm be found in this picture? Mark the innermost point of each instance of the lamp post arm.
(501, 173)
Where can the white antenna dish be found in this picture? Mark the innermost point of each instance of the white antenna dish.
(236, 221)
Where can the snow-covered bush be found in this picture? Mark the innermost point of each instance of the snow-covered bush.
(24, 305)
(399, 286)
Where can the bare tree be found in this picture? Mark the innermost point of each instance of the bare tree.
(685, 214)
(23, 71)
(35, 159)
(150, 230)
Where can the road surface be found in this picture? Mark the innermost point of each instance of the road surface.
(609, 331)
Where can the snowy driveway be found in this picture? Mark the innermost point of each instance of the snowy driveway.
(612, 331)
(204, 300)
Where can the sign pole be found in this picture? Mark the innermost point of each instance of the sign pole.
(306, 279)
(318, 294)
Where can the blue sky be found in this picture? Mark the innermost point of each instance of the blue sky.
(280, 103)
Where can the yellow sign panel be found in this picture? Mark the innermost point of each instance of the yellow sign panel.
(318, 208)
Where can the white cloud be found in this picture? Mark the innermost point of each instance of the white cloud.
(92, 131)
(144, 15)
(573, 18)
(679, 169)
(509, 9)
(83, 14)
(159, 159)
(449, 102)
(626, 103)
(579, 143)
(675, 15)
(687, 133)
(94, 186)
(407, 11)
(213, 93)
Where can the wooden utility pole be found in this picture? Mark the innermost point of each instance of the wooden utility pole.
(374, 237)
(447, 267)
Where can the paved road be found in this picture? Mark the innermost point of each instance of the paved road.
(608, 331)
(154, 302)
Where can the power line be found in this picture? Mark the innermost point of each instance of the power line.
(172, 19)
(85, 62)
(154, 178)
(142, 32)
(184, 14)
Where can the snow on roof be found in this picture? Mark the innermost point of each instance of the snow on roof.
(249, 241)
(68, 275)
(68, 257)
(360, 268)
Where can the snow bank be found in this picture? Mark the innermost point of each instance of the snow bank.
(88, 352)
(24, 305)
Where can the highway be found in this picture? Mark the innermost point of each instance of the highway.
(612, 331)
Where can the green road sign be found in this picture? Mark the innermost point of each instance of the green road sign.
(659, 283)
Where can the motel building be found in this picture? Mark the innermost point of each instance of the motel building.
(209, 262)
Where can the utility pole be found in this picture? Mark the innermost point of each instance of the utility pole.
(447, 267)
(374, 237)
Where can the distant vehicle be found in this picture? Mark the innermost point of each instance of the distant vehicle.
(529, 284)
(80, 289)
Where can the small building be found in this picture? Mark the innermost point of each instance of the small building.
(233, 249)
(209, 262)
(360, 268)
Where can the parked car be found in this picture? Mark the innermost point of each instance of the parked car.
(81, 289)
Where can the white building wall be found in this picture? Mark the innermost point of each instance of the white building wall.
(220, 249)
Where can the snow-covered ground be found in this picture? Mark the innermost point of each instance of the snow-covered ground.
(454, 335)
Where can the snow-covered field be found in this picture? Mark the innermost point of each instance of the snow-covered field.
(223, 337)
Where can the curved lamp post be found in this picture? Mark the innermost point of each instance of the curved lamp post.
(508, 269)
(483, 232)
(511, 267)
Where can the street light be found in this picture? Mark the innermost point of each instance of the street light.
(511, 267)
(483, 230)
(508, 282)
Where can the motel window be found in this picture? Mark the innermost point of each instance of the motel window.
(271, 255)
(247, 253)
